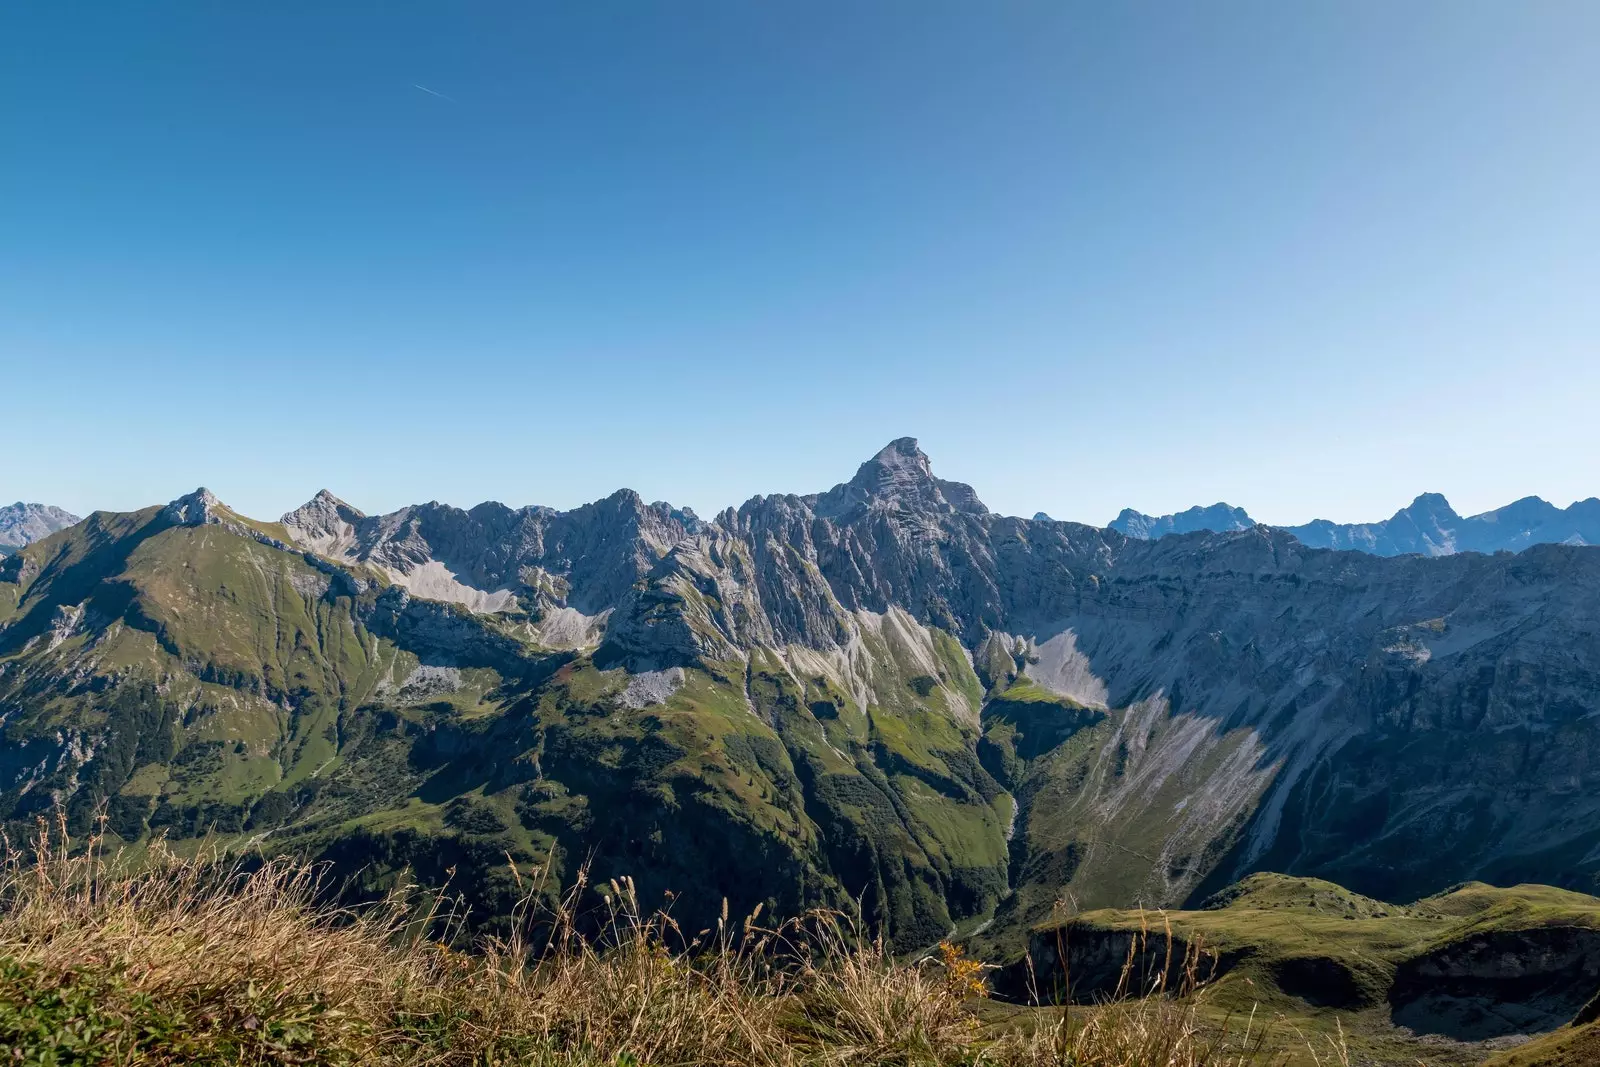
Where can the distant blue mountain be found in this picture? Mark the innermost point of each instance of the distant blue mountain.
(1428, 526)
(22, 524)
(1218, 517)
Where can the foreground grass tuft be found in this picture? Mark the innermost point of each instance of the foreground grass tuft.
(201, 961)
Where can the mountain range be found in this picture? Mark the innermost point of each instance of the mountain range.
(1429, 526)
(882, 693)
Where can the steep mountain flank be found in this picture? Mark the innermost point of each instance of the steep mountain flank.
(881, 692)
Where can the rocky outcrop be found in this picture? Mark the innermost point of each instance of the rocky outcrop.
(198, 508)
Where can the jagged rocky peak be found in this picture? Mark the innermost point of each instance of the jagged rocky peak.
(1428, 509)
(1431, 503)
(326, 502)
(194, 509)
(485, 557)
(322, 510)
(899, 465)
(684, 516)
(22, 524)
(1427, 525)
(324, 523)
(900, 476)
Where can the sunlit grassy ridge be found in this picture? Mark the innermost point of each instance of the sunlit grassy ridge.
(197, 961)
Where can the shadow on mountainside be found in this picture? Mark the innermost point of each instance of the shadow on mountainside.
(1420, 721)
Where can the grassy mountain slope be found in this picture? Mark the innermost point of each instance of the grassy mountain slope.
(209, 679)
(1106, 808)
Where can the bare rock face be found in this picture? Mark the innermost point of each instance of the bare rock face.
(22, 524)
(324, 524)
(898, 478)
(486, 558)
(198, 508)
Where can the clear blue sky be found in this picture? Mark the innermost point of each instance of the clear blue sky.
(1310, 258)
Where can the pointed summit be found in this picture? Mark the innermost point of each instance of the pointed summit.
(325, 497)
(900, 476)
(323, 524)
(1429, 504)
(899, 465)
(324, 504)
(194, 509)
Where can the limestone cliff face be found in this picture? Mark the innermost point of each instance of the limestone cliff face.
(586, 559)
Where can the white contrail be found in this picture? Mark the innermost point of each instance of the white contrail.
(433, 92)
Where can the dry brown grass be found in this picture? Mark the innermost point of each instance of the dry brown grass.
(199, 960)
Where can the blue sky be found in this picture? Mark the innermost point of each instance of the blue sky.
(1309, 258)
